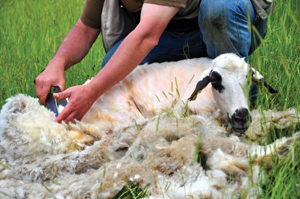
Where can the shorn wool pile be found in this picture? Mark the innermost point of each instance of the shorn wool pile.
(143, 131)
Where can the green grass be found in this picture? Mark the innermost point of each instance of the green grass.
(32, 30)
(30, 33)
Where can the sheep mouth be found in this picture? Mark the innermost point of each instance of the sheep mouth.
(240, 130)
(237, 125)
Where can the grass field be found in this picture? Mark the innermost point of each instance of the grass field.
(32, 30)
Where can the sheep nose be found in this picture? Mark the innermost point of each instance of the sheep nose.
(240, 120)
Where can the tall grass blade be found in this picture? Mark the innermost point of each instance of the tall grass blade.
(176, 82)
(165, 94)
(258, 35)
(192, 79)
(55, 182)
(157, 97)
(157, 124)
(137, 127)
(178, 94)
(248, 18)
(5, 166)
(293, 16)
(285, 64)
(196, 152)
(46, 188)
(5, 194)
(242, 88)
(133, 195)
(283, 29)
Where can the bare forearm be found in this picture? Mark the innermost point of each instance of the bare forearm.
(127, 57)
(74, 47)
(134, 48)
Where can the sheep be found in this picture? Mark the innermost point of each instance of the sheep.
(127, 101)
(129, 135)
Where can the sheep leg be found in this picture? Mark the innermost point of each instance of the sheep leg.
(264, 122)
(281, 148)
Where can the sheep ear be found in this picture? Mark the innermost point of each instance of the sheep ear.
(202, 83)
(257, 77)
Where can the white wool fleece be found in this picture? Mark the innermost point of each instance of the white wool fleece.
(28, 129)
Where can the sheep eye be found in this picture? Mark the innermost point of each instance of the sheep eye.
(216, 81)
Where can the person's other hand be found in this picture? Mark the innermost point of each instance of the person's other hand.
(81, 99)
(51, 76)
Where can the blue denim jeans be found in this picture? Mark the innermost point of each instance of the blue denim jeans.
(223, 28)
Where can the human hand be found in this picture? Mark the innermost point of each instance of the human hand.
(81, 99)
(51, 76)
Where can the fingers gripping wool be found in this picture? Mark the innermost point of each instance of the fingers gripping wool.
(30, 130)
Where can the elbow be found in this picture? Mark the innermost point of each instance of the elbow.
(149, 37)
(151, 41)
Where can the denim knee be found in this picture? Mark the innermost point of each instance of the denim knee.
(224, 25)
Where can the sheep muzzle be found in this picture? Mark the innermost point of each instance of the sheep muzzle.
(240, 120)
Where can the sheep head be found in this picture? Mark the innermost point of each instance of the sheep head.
(228, 75)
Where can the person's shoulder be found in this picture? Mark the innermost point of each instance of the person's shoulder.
(91, 13)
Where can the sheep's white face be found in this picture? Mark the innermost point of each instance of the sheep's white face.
(229, 87)
(228, 76)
